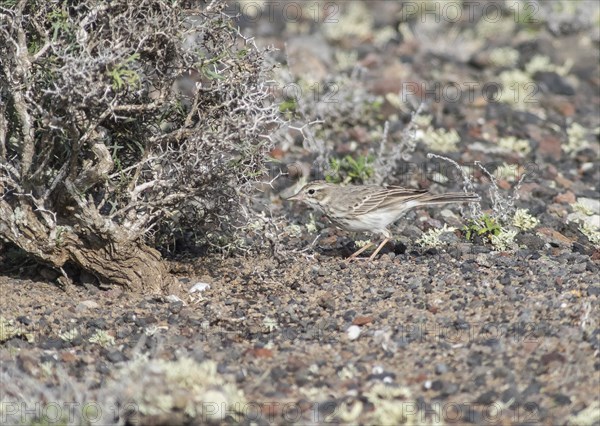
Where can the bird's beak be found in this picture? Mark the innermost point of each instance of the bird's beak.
(298, 197)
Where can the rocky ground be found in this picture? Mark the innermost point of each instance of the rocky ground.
(416, 337)
(439, 329)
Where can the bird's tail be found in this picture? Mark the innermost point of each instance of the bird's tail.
(450, 197)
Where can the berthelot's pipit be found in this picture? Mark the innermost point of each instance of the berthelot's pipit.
(370, 208)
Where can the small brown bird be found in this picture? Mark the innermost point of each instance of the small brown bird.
(370, 208)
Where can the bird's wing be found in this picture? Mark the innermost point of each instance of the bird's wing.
(381, 198)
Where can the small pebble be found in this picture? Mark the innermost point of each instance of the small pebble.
(87, 304)
(199, 287)
(441, 369)
(353, 332)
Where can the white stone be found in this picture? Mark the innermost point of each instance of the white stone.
(87, 304)
(353, 332)
(199, 286)
(578, 217)
(592, 204)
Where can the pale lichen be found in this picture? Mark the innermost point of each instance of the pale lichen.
(504, 241)
(518, 89)
(508, 172)
(541, 63)
(355, 21)
(431, 238)
(588, 416)
(102, 338)
(197, 389)
(391, 405)
(69, 335)
(577, 138)
(440, 140)
(524, 221)
(270, 324)
(9, 330)
(591, 232)
(511, 143)
(504, 57)
(582, 208)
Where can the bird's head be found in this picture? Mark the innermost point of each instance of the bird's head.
(315, 194)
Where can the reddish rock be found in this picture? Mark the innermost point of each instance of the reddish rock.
(565, 198)
(475, 132)
(503, 184)
(362, 320)
(260, 352)
(566, 108)
(329, 241)
(550, 146)
(480, 102)
(68, 357)
(564, 182)
(554, 235)
(384, 86)
(277, 153)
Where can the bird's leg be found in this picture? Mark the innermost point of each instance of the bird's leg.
(359, 251)
(384, 242)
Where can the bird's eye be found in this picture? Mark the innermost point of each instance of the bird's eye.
(311, 191)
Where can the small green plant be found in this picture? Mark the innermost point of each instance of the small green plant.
(60, 23)
(485, 226)
(288, 105)
(349, 170)
(123, 76)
